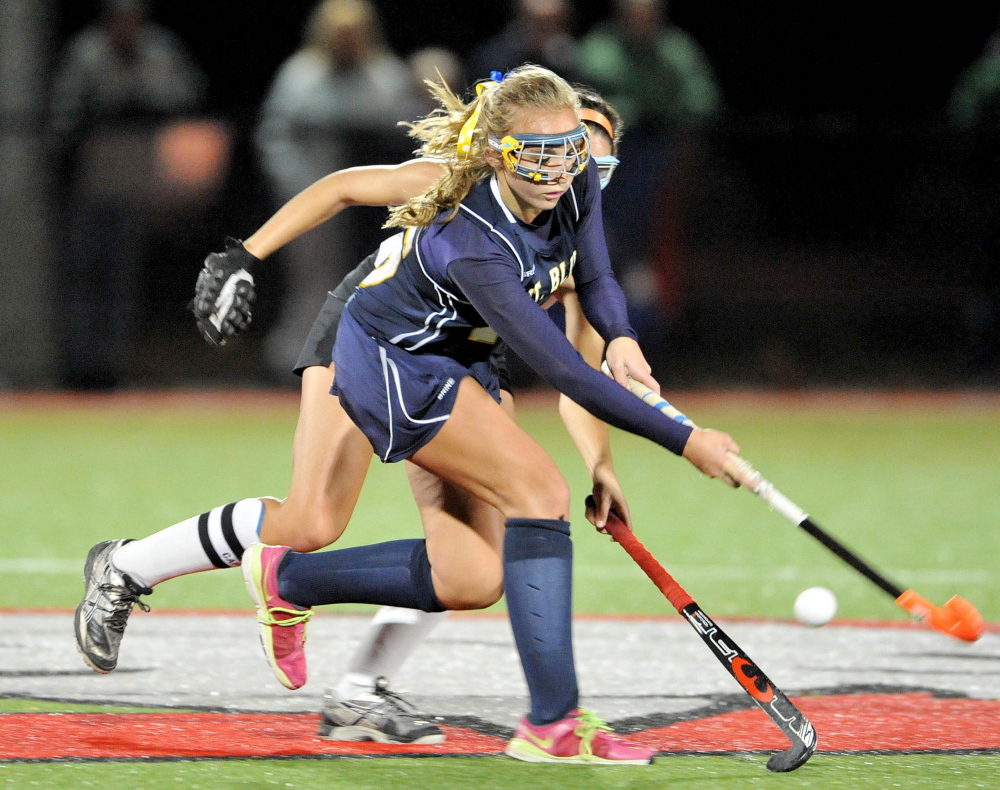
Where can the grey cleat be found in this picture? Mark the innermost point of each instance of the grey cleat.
(381, 716)
(103, 613)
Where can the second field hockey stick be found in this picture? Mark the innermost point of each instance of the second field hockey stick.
(957, 617)
(768, 697)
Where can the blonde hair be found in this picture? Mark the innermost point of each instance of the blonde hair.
(526, 87)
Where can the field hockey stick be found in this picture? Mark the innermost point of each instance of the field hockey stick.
(957, 617)
(768, 697)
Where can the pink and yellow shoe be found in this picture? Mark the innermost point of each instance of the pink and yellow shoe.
(282, 623)
(581, 737)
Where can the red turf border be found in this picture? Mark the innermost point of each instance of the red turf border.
(884, 723)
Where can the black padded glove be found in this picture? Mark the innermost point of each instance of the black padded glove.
(224, 293)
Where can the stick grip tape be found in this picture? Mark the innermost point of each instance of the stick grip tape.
(666, 583)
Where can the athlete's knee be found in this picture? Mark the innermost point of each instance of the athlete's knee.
(303, 527)
(475, 585)
(322, 527)
(478, 595)
(469, 602)
(542, 495)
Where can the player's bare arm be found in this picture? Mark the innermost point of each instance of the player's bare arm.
(626, 360)
(224, 293)
(709, 450)
(374, 185)
(589, 434)
(706, 449)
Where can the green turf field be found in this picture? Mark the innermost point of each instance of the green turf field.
(911, 489)
(822, 772)
(500, 773)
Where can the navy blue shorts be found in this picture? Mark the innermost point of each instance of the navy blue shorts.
(399, 400)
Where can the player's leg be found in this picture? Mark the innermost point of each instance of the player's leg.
(331, 458)
(398, 573)
(503, 467)
(117, 572)
(394, 633)
(507, 469)
(520, 479)
(461, 532)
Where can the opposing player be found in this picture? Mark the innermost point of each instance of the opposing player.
(517, 213)
(330, 455)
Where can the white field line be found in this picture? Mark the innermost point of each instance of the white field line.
(684, 573)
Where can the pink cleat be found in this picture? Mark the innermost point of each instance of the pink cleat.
(282, 623)
(579, 738)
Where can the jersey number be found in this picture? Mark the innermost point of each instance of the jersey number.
(390, 253)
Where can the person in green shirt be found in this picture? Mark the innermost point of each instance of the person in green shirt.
(661, 81)
(654, 72)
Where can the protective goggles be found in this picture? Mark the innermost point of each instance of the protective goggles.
(542, 157)
(606, 168)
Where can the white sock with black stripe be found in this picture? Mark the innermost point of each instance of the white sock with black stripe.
(215, 539)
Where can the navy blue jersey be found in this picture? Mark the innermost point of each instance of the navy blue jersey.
(453, 287)
(413, 300)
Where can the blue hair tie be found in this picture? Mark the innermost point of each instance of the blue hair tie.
(497, 76)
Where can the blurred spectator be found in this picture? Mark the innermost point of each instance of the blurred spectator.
(435, 64)
(334, 103)
(659, 79)
(975, 98)
(119, 82)
(539, 33)
(656, 74)
(974, 113)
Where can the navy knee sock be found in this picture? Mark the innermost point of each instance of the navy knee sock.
(538, 583)
(396, 573)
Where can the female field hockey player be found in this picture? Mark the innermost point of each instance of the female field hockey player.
(330, 460)
(516, 214)
(361, 706)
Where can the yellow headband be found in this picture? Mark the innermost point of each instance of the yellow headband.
(464, 145)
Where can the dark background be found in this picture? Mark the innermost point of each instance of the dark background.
(876, 60)
(879, 60)
(833, 223)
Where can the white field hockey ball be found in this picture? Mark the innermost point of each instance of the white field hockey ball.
(815, 606)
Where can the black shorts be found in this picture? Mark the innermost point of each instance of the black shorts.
(318, 349)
